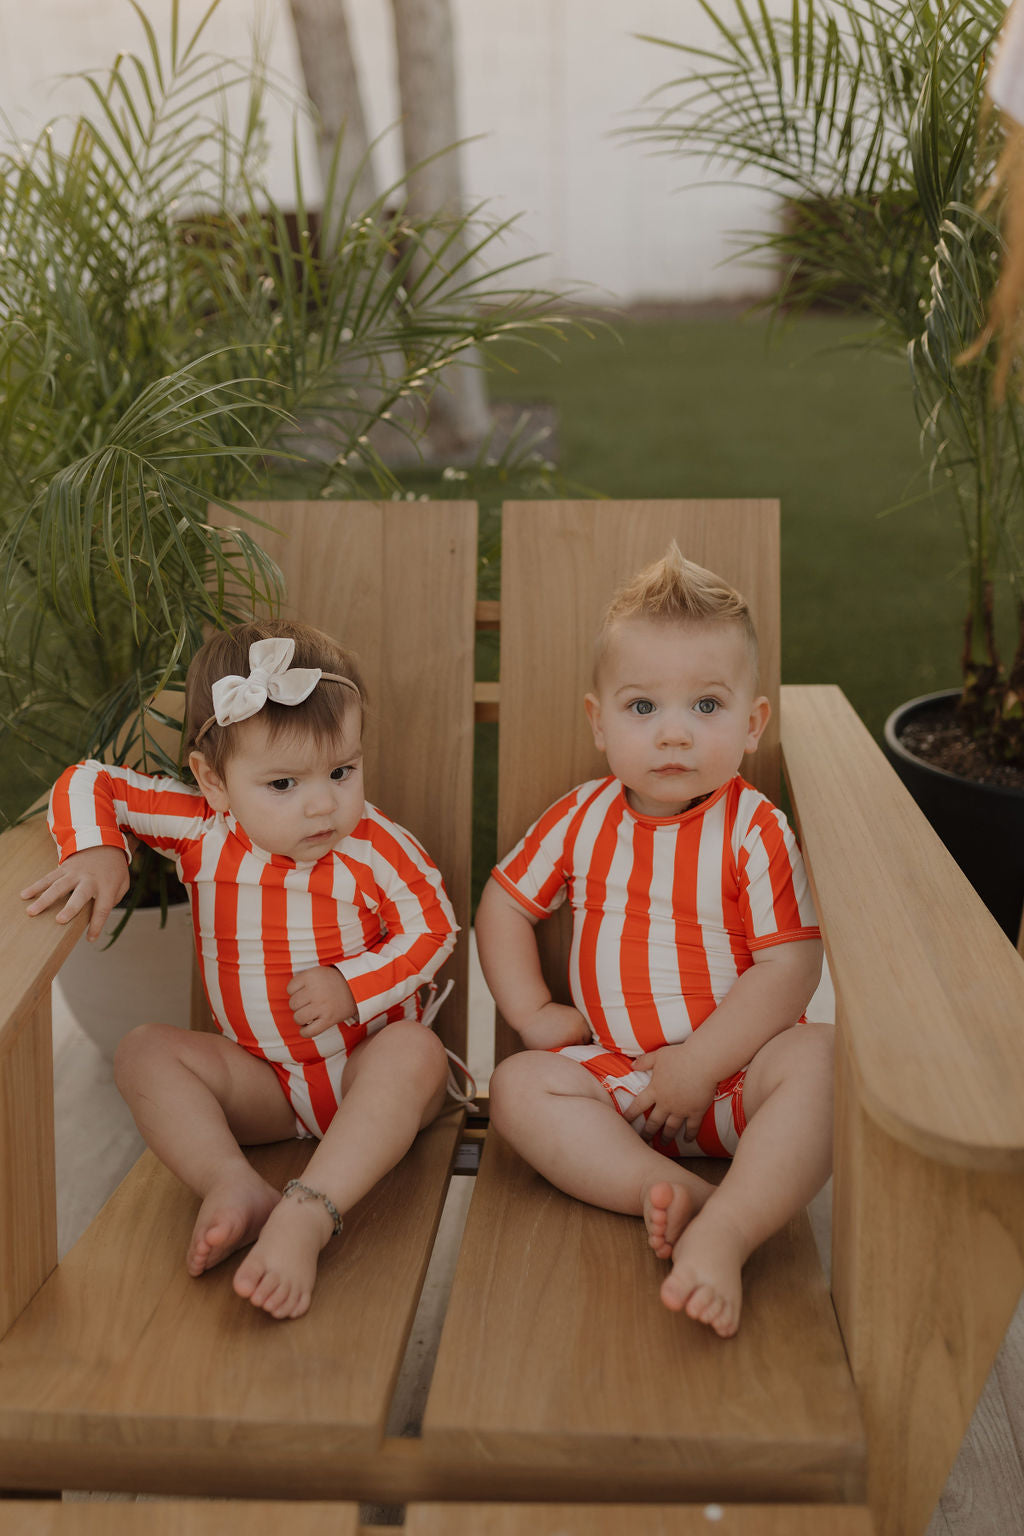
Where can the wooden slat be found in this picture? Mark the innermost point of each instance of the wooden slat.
(633, 1520)
(927, 1269)
(126, 1373)
(561, 562)
(28, 1181)
(31, 952)
(486, 697)
(558, 1358)
(396, 583)
(932, 990)
(178, 1517)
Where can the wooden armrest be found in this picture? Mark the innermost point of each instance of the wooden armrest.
(929, 991)
(32, 950)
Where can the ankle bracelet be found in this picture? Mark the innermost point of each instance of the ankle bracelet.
(305, 1193)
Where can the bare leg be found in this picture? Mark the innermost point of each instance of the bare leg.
(560, 1119)
(194, 1098)
(393, 1085)
(782, 1160)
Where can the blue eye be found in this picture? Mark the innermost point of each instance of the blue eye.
(642, 707)
(707, 706)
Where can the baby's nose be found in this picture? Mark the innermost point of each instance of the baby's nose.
(319, 799)
(674, 729)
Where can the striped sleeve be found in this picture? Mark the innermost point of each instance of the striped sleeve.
(534, 872)
(94, 805)
(774, 895)
(414, 911)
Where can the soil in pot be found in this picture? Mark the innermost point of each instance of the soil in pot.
(975, 805)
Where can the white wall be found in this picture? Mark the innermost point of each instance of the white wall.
(545, 83)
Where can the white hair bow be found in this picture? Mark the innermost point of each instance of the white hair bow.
(271, 677)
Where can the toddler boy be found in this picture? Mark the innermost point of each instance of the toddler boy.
(695, 951)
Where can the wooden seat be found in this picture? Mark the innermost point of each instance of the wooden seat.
(611, 1391)
(121, 1372)
(179, 1517)
(631, 1520)
(613, 1397)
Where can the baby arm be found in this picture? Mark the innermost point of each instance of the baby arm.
(99, 875)
(765, 1000)
(507, 944)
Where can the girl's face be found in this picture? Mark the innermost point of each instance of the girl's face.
(296, 795)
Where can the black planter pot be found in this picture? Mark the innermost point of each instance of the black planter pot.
(982, 825)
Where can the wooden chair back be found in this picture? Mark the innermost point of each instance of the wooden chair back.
(404, 604)
(561, 562)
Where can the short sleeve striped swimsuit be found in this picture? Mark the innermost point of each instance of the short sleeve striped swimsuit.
(667, 913)
(374, 906)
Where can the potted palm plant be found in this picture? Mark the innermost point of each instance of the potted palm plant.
(868, 118)
(165, 334)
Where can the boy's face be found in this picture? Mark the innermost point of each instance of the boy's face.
(675, 710)
(295, 795)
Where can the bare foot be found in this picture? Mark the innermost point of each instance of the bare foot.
(667, 1209)
(280, 1272)
(705, 1280)
(232, 1214)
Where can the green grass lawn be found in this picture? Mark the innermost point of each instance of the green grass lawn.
(719, 406)
(871, 596)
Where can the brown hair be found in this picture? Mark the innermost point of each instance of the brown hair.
(676, 590)
(226, 654)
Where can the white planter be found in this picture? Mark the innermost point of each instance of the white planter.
(145, 976)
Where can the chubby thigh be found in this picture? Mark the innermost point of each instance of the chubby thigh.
(245, 1086)
(720, 1130)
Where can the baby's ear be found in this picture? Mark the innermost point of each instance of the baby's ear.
(209, 781)
(592, 705)
(760, 714)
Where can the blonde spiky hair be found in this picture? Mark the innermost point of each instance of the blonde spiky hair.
(676, 590)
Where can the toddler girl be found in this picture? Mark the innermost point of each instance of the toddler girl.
(317, 920)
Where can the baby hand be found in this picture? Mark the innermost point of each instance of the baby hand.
(552, 1025)
(319, 998)
(678, 1094)
(99, 875)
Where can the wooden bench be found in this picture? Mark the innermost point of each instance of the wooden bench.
(245, 1518)
(118, 1372)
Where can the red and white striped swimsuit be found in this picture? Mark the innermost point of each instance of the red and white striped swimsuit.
(667, 913)
(374, 906)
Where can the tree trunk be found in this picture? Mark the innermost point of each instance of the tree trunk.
(332, 84)
(425, 51)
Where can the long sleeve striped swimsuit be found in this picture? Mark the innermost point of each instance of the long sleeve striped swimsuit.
(667, 913)
(374, 906)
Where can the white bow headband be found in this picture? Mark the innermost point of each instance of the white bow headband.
(271, 677)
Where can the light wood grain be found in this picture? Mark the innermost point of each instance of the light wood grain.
(557, 1356)
(629, 1520)
(927, 1268)
(932, 991)
(395, 582)
(179, 1517)
(28, 1185)
(560, 564)
(32, 950)
(126, 1372)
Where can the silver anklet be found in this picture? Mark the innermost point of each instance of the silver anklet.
(314, 1194)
